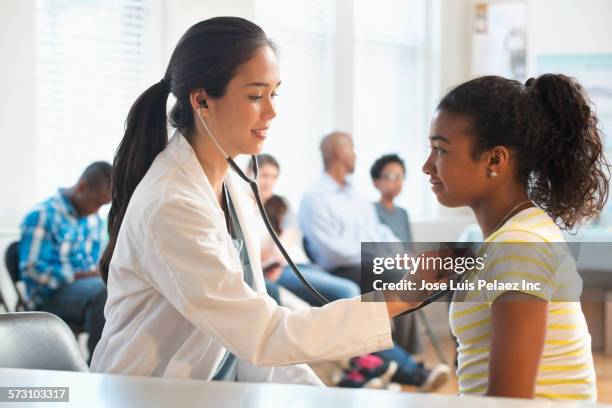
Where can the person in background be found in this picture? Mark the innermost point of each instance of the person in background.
(286, 227)
(336, 218)
(272, 265)
(388, 175)
(366, 371)
(59, 250)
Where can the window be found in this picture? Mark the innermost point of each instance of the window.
(389, 92)
(89, 70)
(303, 30)
(386, 41)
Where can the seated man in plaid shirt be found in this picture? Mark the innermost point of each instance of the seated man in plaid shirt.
(60, 246)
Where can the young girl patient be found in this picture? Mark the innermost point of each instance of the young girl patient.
(528, 160)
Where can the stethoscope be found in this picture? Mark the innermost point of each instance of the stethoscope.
(252, 182)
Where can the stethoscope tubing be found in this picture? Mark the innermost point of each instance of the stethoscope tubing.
(253, 184)
(322, 299)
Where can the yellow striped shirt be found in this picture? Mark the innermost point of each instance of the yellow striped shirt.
(566, 369)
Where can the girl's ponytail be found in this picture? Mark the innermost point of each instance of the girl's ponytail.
(569, 172)
(548, 123)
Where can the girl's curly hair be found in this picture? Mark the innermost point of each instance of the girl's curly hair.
(549, 124)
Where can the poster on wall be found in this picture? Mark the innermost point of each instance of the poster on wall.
(499, 39)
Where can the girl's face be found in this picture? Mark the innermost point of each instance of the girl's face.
(241, 117)
(268, 174)
(456, 178)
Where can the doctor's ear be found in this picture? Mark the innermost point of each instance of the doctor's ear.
(203, 103)
(198, 100)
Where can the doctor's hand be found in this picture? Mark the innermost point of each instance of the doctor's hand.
(426, 281)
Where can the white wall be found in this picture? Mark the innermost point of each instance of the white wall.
(454, 44)
(555, 26)
(344, 66)
(450, 66)
(170, 19)
(17, 120)
(568, 27)
(182, 14)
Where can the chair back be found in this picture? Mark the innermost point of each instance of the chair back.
(38, 340)
(11, 261)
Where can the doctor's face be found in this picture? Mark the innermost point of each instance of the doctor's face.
(241, 117)
(456, 178)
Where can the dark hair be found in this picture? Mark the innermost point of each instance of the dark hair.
(381, 162)
(276, 208)
(97, 175)
(206, 57)
(549, 124)
(264, 159)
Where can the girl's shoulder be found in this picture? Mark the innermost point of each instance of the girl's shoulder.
(530, 225)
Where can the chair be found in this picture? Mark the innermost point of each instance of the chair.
(38, 340)
(11, 260)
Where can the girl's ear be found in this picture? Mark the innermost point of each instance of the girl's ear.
(497, 160)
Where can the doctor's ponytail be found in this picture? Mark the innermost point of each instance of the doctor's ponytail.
(206, 57)
(145, 136)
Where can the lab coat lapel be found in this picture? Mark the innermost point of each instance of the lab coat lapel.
(246, 211)
(182, 152)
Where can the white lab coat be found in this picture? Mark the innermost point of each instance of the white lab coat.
(177, 300)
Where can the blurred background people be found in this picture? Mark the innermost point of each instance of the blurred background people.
(60, 246)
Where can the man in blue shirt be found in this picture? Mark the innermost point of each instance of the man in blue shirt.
(335, 217)
(59, 250)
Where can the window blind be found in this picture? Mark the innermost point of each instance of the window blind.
(389, 89)
(89, 69)
(304, 31)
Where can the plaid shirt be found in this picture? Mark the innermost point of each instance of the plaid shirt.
(55, 244)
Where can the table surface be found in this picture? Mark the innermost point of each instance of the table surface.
(94, 390)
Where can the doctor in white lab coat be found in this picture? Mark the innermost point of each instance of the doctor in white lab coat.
(178, 297)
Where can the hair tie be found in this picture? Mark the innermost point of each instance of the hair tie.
(165, 84)
(529, 82)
